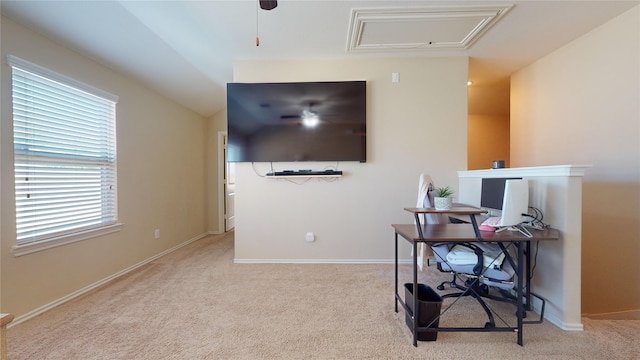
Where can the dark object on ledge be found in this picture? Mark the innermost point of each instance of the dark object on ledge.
(268, 4)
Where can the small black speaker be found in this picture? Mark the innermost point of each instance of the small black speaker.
(268, 4)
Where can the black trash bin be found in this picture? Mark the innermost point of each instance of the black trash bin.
(429, 304)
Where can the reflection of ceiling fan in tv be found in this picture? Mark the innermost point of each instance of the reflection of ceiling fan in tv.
(268, 4)
(308, 117)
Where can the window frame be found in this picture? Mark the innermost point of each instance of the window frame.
(80, 232)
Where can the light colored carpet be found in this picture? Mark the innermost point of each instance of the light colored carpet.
(196, 304)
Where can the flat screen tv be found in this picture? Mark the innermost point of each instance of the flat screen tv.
(303, 121)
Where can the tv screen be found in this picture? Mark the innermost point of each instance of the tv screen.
(305, 121)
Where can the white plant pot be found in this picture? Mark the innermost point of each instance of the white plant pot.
(441, 203)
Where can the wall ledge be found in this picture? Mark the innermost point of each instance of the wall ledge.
(553, 170)
(20, 250)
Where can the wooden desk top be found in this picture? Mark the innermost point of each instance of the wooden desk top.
(458, 210)
(464, 232)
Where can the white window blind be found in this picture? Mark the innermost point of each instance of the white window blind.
(65, 154)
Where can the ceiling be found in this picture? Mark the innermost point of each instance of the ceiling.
(185, 49)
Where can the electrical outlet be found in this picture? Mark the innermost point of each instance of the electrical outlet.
(310, 237)
(157, 234)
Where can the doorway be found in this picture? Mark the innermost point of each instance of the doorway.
(227, 181)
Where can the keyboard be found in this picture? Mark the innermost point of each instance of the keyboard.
(493, 221)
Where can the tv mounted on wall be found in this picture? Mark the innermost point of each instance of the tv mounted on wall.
(302, 121)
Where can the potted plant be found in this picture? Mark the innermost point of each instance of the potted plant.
(443, 198)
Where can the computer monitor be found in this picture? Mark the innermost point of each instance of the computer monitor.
(511, 196)
(515, 202)
(492, 193)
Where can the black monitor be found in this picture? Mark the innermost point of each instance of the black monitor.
(492, 193)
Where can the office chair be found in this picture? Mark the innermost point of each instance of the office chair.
(482, 265)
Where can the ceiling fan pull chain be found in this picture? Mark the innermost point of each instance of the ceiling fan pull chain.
(257, 37)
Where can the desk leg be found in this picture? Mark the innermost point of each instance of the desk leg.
(416, 310)
(474, 223)
(395, 296)
(415, 281)
(419, 226)
(527, 271)
(520, 305)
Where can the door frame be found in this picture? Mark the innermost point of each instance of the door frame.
(222, 168)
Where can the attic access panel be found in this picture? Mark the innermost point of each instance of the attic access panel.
(420, 28)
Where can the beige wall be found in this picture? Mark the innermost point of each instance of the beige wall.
(488, 141)
(161, 181)
(414, 126)
(488, 137)
(579, 105)
(557, 192)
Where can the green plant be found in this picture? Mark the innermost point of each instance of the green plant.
(444, 192)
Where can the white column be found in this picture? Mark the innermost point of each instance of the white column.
(557, 192)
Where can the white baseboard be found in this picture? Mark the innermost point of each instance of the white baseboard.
(571, 326)
(86, 289)
(553, 315)
(618, 315)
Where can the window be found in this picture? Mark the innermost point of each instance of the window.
(65, 156)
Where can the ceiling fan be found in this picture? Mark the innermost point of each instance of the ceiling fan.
(264, 5)
(268, 4)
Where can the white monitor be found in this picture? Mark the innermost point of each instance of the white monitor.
(515, 202)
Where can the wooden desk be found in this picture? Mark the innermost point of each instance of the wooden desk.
(466, 233)
(456, 233)
(456, 210)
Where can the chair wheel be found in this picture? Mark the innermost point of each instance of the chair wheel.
(489, 325)
(440, 287)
